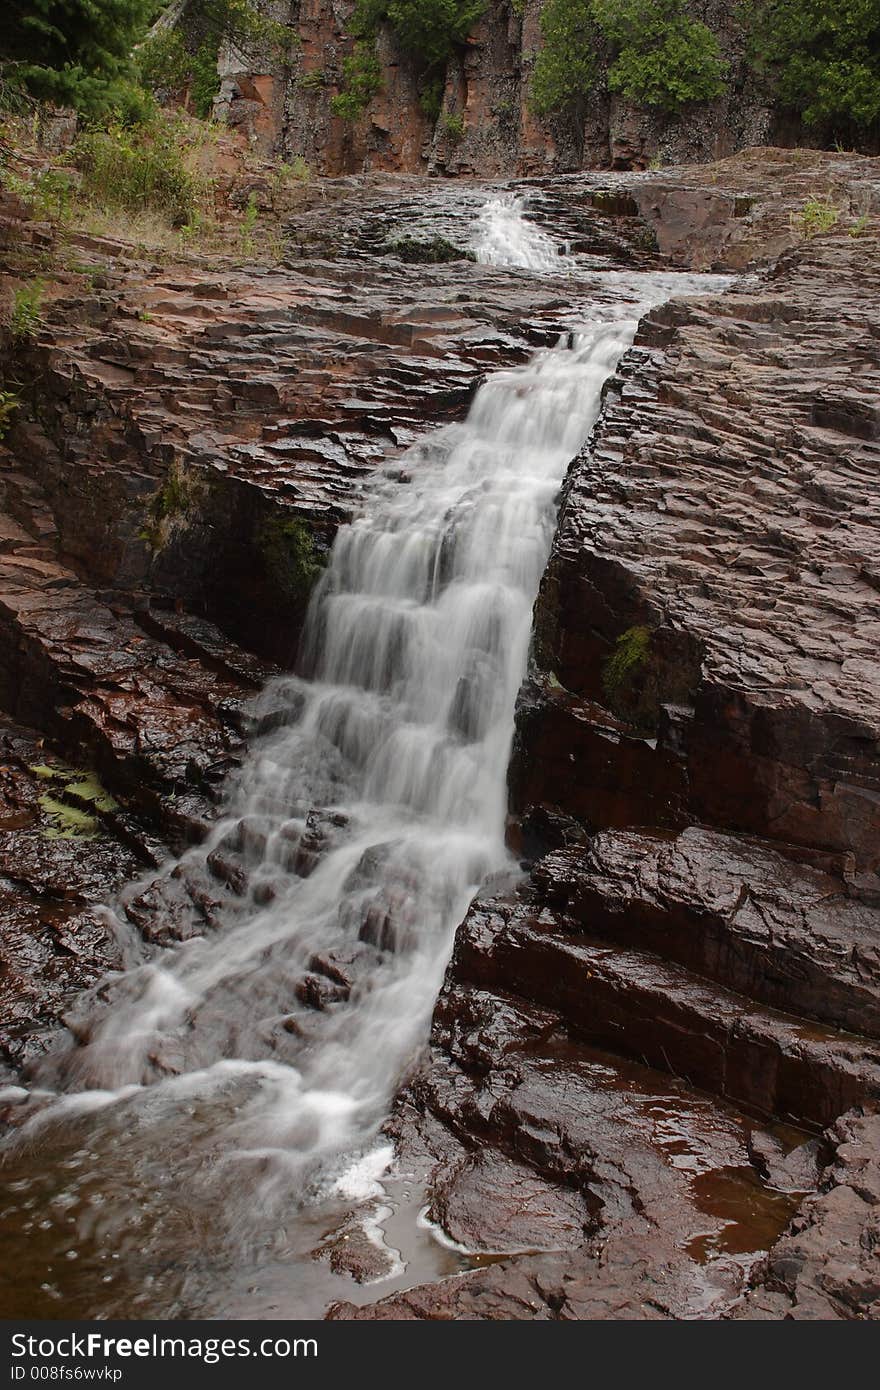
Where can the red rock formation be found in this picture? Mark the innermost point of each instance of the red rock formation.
(488, 84)
(633, 1052)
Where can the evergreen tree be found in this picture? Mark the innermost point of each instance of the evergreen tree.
(74, 52)
(823, 59)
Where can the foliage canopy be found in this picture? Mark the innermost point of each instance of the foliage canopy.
(74, 52)
(661, 57)
(656, 54)
(428, 30)
(566, 68)
(824, 59)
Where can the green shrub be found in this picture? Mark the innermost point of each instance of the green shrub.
(204, 80)
(817, 215)
(290, 558)
(431, 30)
(631, 651)
(362, 79)
(431, 97)
(428, 30)
(139, 171)
(656, 54)
(299, 169)
(173, 506)
(163, 61)
(9, 403)
(434, 250)
(54, 194)
(27, 311)
(178, 58)
(76, 52)
(50, 194)
(823, 59)
(248, 225)
(452, 127)
(860, 224)
(660, 56)
(566, 67)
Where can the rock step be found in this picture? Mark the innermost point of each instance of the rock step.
(731, 909)
(648, 1197)
(641, 1006)
(163, 722)
(25, 502)
(629, 1137)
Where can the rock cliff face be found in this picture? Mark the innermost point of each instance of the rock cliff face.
(487, 84)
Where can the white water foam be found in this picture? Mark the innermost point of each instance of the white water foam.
(504, 237)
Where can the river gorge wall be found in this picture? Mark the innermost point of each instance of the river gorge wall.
(486, 88)
(653, 1070)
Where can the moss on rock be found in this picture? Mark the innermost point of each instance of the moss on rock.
(291, 559)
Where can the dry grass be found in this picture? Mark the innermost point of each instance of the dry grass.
(216, 224)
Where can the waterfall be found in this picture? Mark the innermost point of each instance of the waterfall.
(416, 645)
(505, 238)
(201, 1085)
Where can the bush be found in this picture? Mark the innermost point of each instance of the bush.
(204, 80)
(139, 171)
(9, 403)
(817, 215)
(76, 52)
(163, 62)
(658, 55)
(824, 60)
(432, 29)
(428, 30)
(362, 78)
(452, 127)
(249, 225)
(661, 57)
(174, 59)
(566, 67)
(27, 311)
(431, 97)
(435, 250)
(628, 657)
(290, 558)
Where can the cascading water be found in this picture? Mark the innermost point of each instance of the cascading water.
(199, 1096)
(504, 237)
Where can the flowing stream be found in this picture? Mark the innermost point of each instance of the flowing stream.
(202, 1102)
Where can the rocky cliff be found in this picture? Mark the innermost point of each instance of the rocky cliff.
(486, 85)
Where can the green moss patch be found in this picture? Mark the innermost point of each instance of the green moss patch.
(172, 506)
(290, 557)
(435, 250)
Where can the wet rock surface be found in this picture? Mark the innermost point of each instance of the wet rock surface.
(825, 1265)
(61, 859)
(728, 514)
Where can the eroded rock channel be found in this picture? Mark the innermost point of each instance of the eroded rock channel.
(650, 1087)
